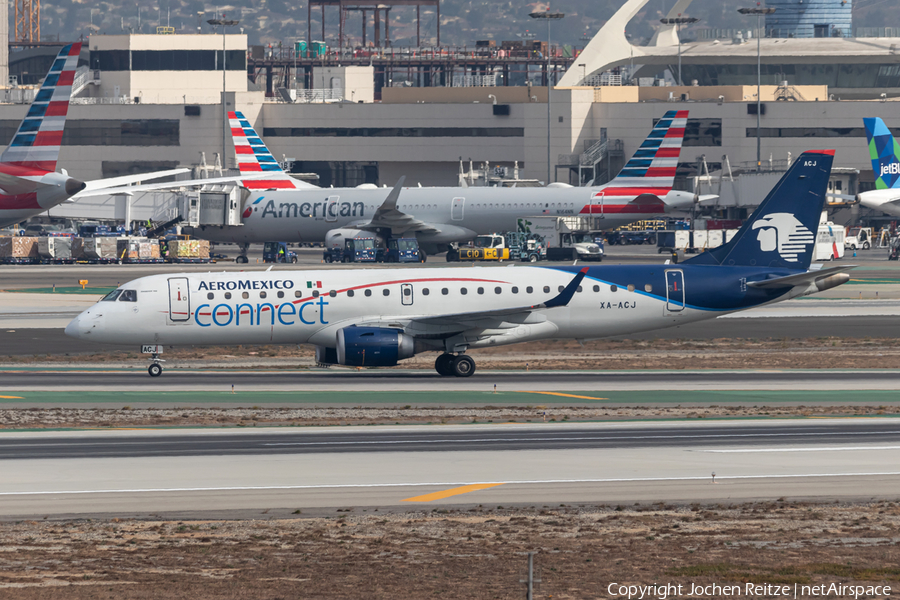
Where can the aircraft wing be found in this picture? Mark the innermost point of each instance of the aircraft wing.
(169, 185)
(801, 278)
(388, 216)
(129, 179)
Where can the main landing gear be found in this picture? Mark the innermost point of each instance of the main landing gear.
(241, 258)
(155, 369)
(457, 366)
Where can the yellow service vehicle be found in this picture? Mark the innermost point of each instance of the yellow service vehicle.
(512, 245)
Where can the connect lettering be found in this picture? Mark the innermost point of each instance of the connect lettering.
(251, 315)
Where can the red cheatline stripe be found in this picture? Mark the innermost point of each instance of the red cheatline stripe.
(256, 184)
(682, 114)
(243, 150)
(625, 209)
(57, 109)
(617, 192)
(34, 167)
(48, 138)
(660, 172)
(19, 202)
(675, 132)
(668, 153)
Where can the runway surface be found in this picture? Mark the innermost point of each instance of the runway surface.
(247, 472)
(386, 381)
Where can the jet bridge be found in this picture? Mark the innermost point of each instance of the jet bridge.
(214, 206)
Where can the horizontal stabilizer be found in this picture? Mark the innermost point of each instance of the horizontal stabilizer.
(12, 185)
(803, 278)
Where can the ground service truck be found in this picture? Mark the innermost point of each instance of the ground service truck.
(512, 245)
(568, 238)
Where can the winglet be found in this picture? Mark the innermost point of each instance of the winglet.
(390, 203)
(566, 295)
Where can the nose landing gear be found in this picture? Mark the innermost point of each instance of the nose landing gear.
(458, 366)
(155, 369)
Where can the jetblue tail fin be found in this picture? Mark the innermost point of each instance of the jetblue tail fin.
(253, 157)
(652, 168)
(781, 232)
(36, 143)
(884, 152)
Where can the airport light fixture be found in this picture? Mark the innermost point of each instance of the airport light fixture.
(759, 12)
(676, 21)
(549, 17)
(224, 23)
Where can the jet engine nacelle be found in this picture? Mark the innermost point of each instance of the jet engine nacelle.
(371, 347)
(334, 238)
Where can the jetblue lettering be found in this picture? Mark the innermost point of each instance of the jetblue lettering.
(224, 315)
(289, 210)
(215, 286)
(891, 169)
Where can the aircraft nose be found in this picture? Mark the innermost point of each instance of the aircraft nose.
(73, 329)
(73, 186)
(83, 325)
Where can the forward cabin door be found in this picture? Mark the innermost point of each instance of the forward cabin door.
(406, 294)
(331, 208)
(456, 209)
(179, 300)
(674, 292)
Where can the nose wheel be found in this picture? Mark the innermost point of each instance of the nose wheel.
(457, 366)
(155, 369)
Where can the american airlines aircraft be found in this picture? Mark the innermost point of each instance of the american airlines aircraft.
(29, 183)
(282, 208)
(885, 155)
(377, 317)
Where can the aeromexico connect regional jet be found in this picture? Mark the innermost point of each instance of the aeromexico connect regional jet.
(29, 183)
(377, 317)
(281, 208)
(885, 154)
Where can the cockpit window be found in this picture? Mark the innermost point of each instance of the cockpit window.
(128, 296)
(111, 297)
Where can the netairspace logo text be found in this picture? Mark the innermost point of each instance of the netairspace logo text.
(715, 590)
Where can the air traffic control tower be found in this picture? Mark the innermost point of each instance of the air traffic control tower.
(809, 18)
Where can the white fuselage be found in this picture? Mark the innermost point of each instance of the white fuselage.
(287, 307)
(883, 200)
(450, 214)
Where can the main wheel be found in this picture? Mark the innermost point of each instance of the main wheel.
(241, 259)
(155, 370)
(442, 364)
(462, 366)
(422, 256)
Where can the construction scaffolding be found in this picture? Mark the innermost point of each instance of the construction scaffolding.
(27, 17)
(378, 9)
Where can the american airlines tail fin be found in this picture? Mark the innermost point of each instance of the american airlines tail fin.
(652, 168)
(36, 143)
(253, 157)
(884, 152)
(781, 232)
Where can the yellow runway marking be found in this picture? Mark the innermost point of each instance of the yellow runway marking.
(12, 397)
(452, 492)
(564, 395)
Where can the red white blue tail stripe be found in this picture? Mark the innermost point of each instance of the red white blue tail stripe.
(652, 168)
(253, 157)
(35, 147)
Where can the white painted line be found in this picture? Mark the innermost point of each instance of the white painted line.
(832, 449)
(442, 484)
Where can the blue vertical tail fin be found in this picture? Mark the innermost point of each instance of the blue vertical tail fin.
(884, 152)
(781, 232)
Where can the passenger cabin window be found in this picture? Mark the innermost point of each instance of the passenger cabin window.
(596, 288)
(315, 293)
(245, 295)
(630, 287)
(111, 297)
(445, 291)
(497, 290)
(128, 296)
(648, 288)
(480, 290)
(262, 294)
(350, 293)
(332, 293)
(368, 293)
(546, 289)
(463, 291)
(297, 294)
(515, 290)
(425, 291)
(280, 294)
(210, 296)
(561, 288)
(613, 288)
(386, 292)
(579, 289)
(529, 290)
